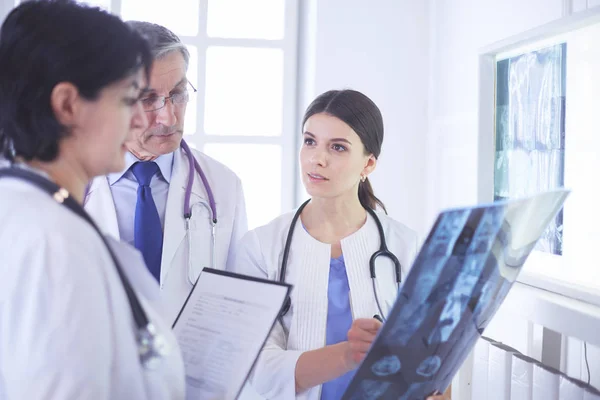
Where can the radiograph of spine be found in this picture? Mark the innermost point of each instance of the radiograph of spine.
(474, 263)
(446, 234)
(502, 286)
(440, 245)
(485, 299)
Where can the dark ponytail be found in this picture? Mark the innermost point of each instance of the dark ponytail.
(362, 115)
(367, 196)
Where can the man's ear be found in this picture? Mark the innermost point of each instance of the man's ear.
(64, 101)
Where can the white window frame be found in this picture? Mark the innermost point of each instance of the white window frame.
(548, 34)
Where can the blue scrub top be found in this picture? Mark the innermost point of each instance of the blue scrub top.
(339, 321)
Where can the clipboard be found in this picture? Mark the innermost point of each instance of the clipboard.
(214, 322)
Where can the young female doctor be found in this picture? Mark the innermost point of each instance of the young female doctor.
(76, 320)
(326, 332)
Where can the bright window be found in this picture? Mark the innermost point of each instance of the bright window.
(244, 91)
(256, 165)
(180, 16)
(256, 19)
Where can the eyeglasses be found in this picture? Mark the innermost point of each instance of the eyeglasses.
(155, 103)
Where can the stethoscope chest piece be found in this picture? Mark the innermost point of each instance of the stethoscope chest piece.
(153, 347)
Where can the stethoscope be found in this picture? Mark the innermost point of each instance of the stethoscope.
(382, 252)
(187, 210)
(152, 346)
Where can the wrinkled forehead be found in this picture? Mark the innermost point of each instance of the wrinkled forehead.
(168, 73)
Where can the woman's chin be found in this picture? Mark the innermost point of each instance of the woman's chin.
(119, 162)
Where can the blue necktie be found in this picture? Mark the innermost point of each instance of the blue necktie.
(148, 234)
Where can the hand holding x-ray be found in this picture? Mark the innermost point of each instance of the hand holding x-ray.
(361, 335)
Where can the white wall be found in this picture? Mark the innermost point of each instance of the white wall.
(380, 48)
(459, 29)
(5, 7)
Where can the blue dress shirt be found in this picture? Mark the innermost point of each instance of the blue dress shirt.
(124, 187)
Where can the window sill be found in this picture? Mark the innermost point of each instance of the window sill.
(560, 287)
(573, 278)
(564, 314)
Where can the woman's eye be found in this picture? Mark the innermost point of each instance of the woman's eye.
(309, 141)
(338, 147)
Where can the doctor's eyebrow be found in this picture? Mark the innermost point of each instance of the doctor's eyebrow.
(335, 140)
(182, 82)
(147, 90)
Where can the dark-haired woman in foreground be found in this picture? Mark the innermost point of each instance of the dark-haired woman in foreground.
(76, 320)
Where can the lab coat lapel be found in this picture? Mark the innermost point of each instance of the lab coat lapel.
(174, 230)
(100, 205)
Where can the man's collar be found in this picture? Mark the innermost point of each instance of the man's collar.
(164, 162)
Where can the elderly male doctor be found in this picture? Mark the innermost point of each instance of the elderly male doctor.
(144, 204)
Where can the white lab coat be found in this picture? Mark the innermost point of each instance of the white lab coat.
(232, 224)
(66, 327)
(260, 253)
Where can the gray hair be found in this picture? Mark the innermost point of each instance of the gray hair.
(161, 40)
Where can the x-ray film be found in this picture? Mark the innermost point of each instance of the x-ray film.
(460, 277)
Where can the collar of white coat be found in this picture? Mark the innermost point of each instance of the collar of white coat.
(22, 165)
(312, 257)
(181, 172)
(164, 162)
